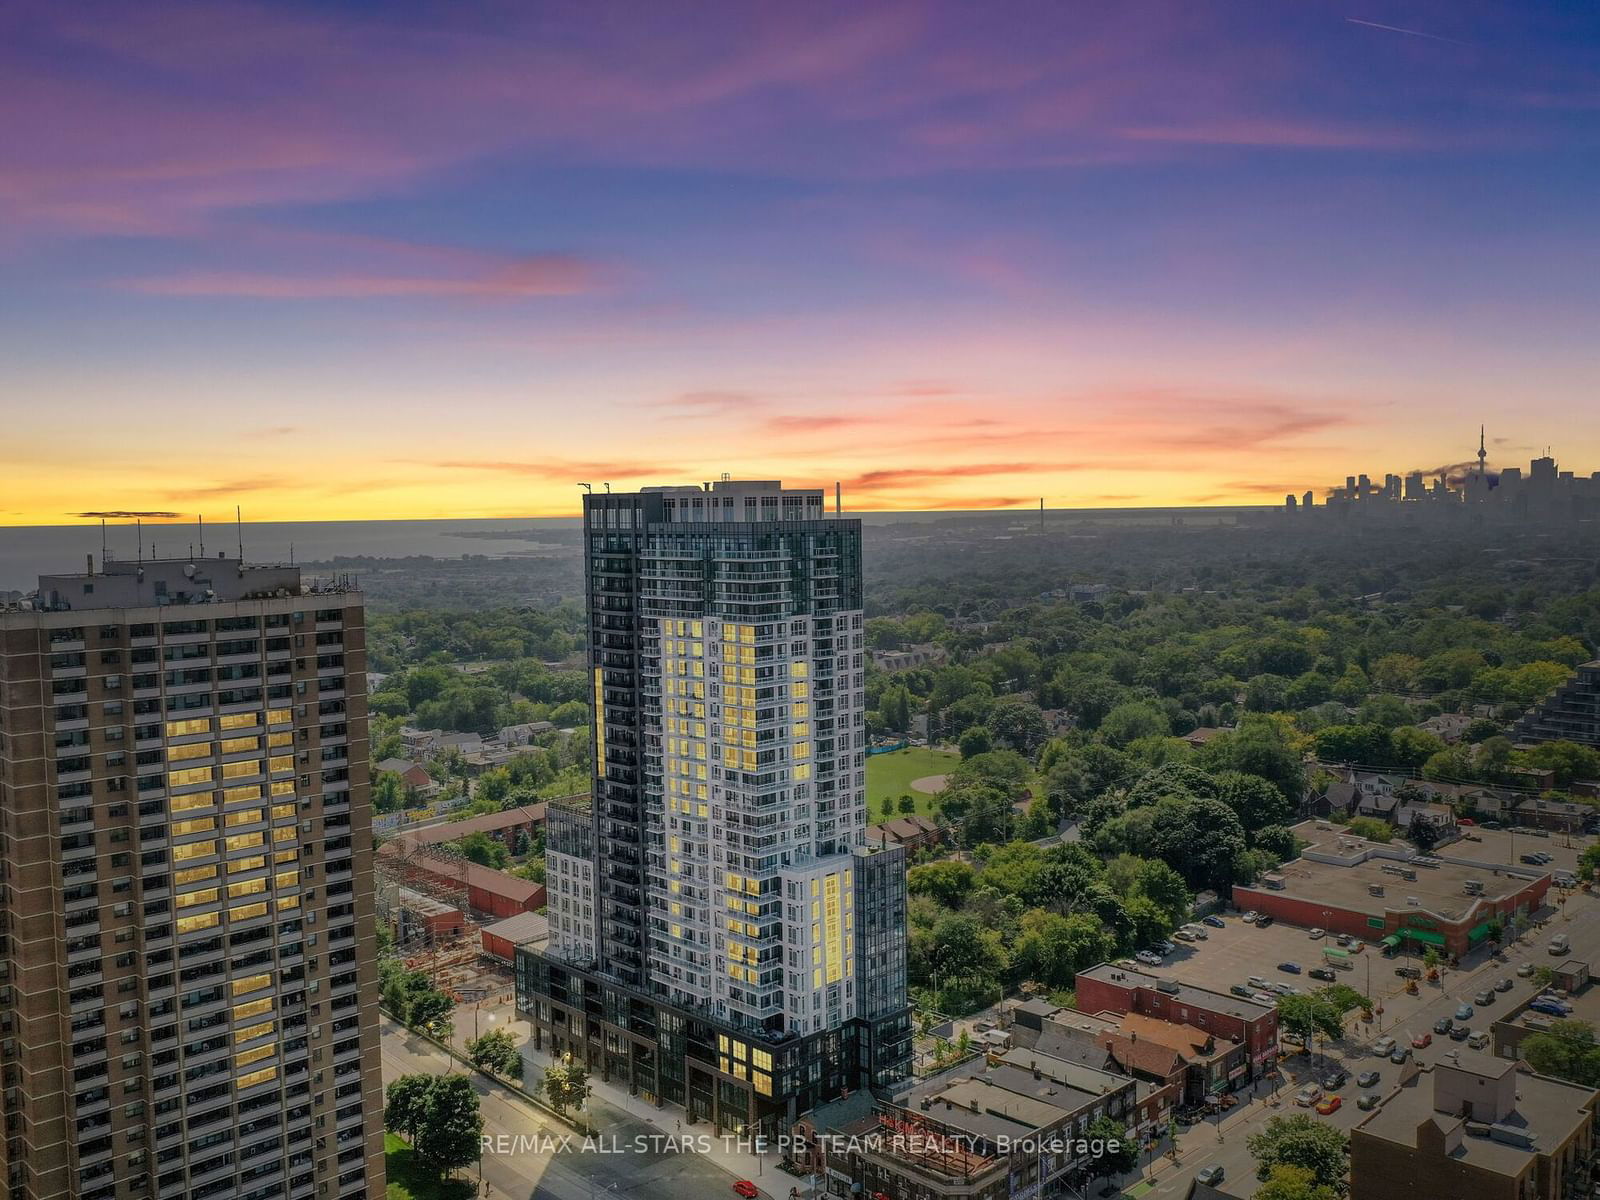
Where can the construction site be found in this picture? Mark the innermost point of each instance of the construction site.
(437, 905)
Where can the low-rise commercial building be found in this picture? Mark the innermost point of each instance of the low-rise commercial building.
(1108, 988)
(1011, 1125)
(1387, 893)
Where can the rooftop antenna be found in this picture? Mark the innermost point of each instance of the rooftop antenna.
(838, 499)
(202, 517)
(1041, 514)
(238, 520)
(139, 525)
(102, 543)
(1483, 454)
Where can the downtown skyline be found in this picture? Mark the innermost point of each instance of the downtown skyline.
(352, 264)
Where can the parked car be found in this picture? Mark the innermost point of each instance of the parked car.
(1215, 922)
(1408, 972)
(1343, 939)
(1464, 1013)
(1331, 1105)
(1367, 1079)
(1478, 1040)
(1308, 1095)
(1484, 997)
(1291, 968)
(1239, 989)
(1422, 1041)
(1566, 881)
(1368, 1101)
(1504, 985)
(1525, 970)
(1197, 931)
(1334, 1080)
(1251, 917)
(1183, 935)
(1163, 948)
(1531, 859)
(1289, 1038)
(1548, 1009)
(1284, 989)
(1323, 974)
(1211, 1175)
(1384, 1046)
(1492, 825)
(1317, 934)
(1263, 920)
(1400, 1055)
(746, 1189)
(1460, 1033)
(1442, 1025)
(1149, 958)
(1266, 998)
(1257, 982)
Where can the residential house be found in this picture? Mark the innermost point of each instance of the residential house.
(914, 832)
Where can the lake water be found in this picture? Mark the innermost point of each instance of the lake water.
(29, 551)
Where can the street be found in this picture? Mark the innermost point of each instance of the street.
(530, 1168)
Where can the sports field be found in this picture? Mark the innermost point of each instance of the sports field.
(893, 775)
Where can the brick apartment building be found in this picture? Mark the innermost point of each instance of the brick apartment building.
(188, 960)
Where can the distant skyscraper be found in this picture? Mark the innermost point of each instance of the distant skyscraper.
(748, 949)
(188, 991)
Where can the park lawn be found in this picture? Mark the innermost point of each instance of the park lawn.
(891, 775)
(409, 1179)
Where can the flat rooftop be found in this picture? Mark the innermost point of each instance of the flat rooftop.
(1439, 889)
(1550, 1110)
(1183, 993)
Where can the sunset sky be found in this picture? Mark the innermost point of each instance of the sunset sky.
(397, 260)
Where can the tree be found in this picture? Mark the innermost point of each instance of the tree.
(974, 741)
(496, 1051)
(1309, 1015)
(403, 1102)
(1039, 821)
(388, 792)
(1276, 840)
(1258, 746)
(1298, 1141)
(566, 1084)
(907, 804)
(1132, 720)
(1422, 834)
(451, 1127)
(1254, 800)
(1371, 828)
(1286, 1182)
(480, 848)
(1018, 725)
(947, 881)
(1052, 949)
(1120, 1152)
(1568, 1050)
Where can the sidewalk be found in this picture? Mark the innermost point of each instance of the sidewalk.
(617, 1116)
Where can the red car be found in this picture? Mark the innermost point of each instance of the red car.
(747, 1189)
(1422, 1041)
(1329, 1105)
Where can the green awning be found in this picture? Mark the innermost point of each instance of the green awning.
(1391, 941)
(1335, 953)
(1478, 932)
(1424, 935)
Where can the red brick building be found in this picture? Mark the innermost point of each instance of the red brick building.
(1348, 886)
(1108, 988)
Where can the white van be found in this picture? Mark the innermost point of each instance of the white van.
(1479, 1040)
(1559, 944)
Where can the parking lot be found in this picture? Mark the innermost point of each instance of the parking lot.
(1507, 846)
(1231, 955)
